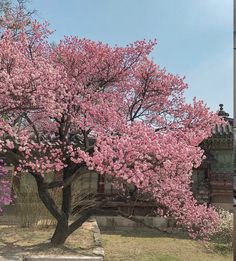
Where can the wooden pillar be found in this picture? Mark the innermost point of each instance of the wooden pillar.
(208, 171)
(101, 184)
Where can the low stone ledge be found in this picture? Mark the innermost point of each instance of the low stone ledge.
(62, 258)
(119, 223)
(98, 250)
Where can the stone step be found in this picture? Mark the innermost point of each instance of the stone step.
(62, 258)
(9, 258)
(51, 258)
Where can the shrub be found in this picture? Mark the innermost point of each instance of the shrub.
(224, 233)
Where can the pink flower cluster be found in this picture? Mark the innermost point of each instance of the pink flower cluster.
(5, 187)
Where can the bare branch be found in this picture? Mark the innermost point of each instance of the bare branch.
(33, 126)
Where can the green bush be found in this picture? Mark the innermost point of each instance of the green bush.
(224, 234)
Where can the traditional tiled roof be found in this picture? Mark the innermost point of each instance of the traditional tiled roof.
(223, 130)
(222, 135)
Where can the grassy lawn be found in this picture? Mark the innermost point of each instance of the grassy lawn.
(17, 240)
(141, 246)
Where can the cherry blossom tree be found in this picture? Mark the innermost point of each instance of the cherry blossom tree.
(82, 105)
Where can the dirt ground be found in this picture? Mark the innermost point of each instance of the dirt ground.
(17, 241)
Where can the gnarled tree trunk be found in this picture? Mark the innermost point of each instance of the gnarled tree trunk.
(61, 232)
(63, 229)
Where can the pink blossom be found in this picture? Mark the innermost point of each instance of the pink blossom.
(5, 189)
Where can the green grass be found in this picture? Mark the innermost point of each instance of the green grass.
(143, 246)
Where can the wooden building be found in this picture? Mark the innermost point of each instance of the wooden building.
(213, 181)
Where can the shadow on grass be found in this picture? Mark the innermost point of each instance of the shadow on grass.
(147, 234)
(13, 248)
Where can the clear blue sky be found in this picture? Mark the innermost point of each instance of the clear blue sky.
(195, 37)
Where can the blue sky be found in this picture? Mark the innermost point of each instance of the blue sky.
(195, 37)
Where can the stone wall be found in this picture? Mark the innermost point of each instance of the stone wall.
(121, 223)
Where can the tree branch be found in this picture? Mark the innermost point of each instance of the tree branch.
(85, 214)
(46, 197)
(68, 181)
(33, 126)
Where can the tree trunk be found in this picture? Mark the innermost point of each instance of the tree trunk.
(62, 229)
(66, 193)
(66, 201)
(61, 232)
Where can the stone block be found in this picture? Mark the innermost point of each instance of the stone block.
(148, 221)
(159, 222)
(99, 251)
(123, 222)
(63, 258)
(102, 221)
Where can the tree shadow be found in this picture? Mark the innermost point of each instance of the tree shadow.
(146, 233)
(9, 249)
